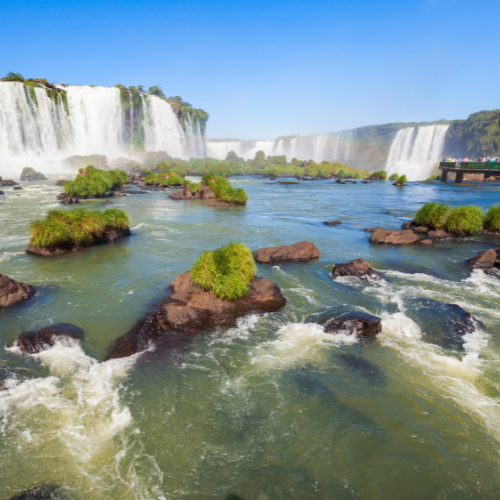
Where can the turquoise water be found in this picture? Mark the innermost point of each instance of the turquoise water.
(273, 408)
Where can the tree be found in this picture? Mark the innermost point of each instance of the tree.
(157, 91)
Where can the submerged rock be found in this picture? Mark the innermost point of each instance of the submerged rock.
(485, 260)
(441, 323)
(188, 311)
(30, 174)
(61, 182)
(359, 268)
(405, 237)
(43, 492)
(1, 192)
(302, 251)
(35, 342)
(356, 323)
(18, 188)
(112, 236)
(14, 293)
(361, 366)
(332, 222)
(438, 234)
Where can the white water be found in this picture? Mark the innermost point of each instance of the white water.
(41, 133)
(322, 147)
(416, 155)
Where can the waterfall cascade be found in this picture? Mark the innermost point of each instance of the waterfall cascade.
(414, 152)
(39, 130)
(329, 147)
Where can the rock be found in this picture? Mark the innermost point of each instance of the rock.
(66, 199)
(108, 237)
(29, 174)
(14, 293)
(426, 242)
(18, 188)
(400, 184)
(118, 193)
(438, 234)
(370, 229)
(441, 323)
(188, 311)
(287, 183)
(44, 492)
(332, 222)
(367, 182)
(340, 181)
(34, 342)
(107, 202)
(409, 224)
(421, 229)
(362, 366)
(136, 191)
(302, 251)
(484, 260)
(359, 324)
(185, 193)
(7, 183)
(1, 192)
(359, 268)
(405, 237)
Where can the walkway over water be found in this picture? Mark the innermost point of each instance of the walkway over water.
(489, 169)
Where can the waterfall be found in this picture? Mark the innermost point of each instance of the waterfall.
(39, 130)
(415, 156)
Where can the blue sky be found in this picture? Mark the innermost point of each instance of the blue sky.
(269, 68)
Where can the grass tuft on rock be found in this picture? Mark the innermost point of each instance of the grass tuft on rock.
(467, 219)
(164, 179)
(433, 215)
(492, 219)
(94, 182)
(229, 194)
(394, 177)
(79, 227)
(402, 179)
(227, 272)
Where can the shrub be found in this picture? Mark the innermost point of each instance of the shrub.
(394, 177)
(75, 228)
(492, 219)
(434, 177)
(95, 182)
(380, 173)
(227, 272)
(168, 179)
(467, 219)
(228, 194)
(213, 181)
(433, 215)
(193, 186)
(402, 179)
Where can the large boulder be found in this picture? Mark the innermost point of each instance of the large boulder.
(405, 237)
(359, 268)
(7, 183)
(356, 323)
(35, 342)
(438, 234)
(302, 251)
(189, 310)
(203, 193)
(30, 174)
(14, 293)
(485, 260)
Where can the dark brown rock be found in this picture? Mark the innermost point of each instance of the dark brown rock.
(409, 224)
(421, 229)
(332, 222)
(18, 188)
(184, 194)
(370, 229)
(14, 293)
(188, 311)
(340, 181)
(34, 342)
(405, 237)
(118, 193)
(203, 193)
(426, 242)
(60, 183)
(108, 237)
(359, 324)
(367, 182)
(1, 192)
(302, 251)
(359, 268)
(484, 260)
(438, 234)
(7, 183)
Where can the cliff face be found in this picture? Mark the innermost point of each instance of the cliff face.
(477, 136)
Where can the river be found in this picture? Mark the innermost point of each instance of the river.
(273, 408)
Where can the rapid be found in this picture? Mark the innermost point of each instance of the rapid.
(274, 408)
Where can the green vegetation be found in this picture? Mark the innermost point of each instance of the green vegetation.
(380, 173)
(92, 182)
(167, 179)
(13, 77)
(229, 194)
(434, 177)
(192, 186)
(75, 228)
(467, 219)
(394, 177)
(433, 215)
(227, 272)
(402, 180)
(492, 219)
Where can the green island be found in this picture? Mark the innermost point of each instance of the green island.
(92, 182)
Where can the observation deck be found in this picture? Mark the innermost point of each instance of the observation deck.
(489, 169)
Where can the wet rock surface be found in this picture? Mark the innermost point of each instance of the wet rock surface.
(405, 237)
(441, 323)
(356, 323)
(359, 268)
(302, 251)
(29, 174)
(189, 310)
(485, 260)
(203, 193)
(43, 492)
(61, 182)
(362, 366)
(7, 183)
(32, 342)
(108, 237)
(14, 293)
(332, 222)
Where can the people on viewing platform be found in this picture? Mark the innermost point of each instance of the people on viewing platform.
(484, 159)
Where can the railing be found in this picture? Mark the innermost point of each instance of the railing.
(472, 165)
